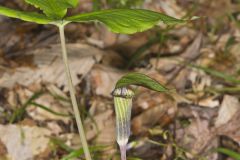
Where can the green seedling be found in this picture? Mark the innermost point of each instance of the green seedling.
(20, 112)
(77, 153)
(61, 144)
(215, 73)
(73, 153)
(125, 21)
(123, 104)
(229, 153)
(49, 110)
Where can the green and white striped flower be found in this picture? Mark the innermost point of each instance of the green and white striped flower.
(123, 103)
(123, 106)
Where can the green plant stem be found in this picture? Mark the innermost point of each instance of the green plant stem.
(72, 95)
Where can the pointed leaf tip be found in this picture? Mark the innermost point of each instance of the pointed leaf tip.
(126, 21)
(140, 79)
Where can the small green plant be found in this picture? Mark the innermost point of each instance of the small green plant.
(125, 21)
(229, 153)
(73, 153)
(19, 113)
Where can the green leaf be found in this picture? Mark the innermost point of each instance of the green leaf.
(140, 79)
(19, 113)
(217, 74)
(55, 9)
(126, 21)
(73, 3)
(77, 153)
(60, 143)
(26, 16)
(49, 110)
(229, 153)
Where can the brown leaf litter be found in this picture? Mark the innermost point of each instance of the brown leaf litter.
(49, 66)
(23, 142)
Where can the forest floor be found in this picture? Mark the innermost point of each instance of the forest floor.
(201, 59)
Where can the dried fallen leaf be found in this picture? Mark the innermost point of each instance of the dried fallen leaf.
(100, 124)
(50, 67)
(3, 150)
(228, 109)
(196, 137)
(103, 79)
(160, 109)
(231, 129)
(105, 129)
(164, 65)
(49, 102)
(209, 102)
(24, 142)
(193, 51)
(194, 130)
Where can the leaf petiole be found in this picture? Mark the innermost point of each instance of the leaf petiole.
(72, 94)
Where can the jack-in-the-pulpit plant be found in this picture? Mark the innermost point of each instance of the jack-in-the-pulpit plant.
(123, 97)
(123, 106)
(54, 12)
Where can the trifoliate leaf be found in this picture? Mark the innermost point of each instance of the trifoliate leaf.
(26, 16)
(140, 79)
(126, 21)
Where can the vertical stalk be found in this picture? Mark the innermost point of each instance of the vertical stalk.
(123, 151)
(72, 95)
